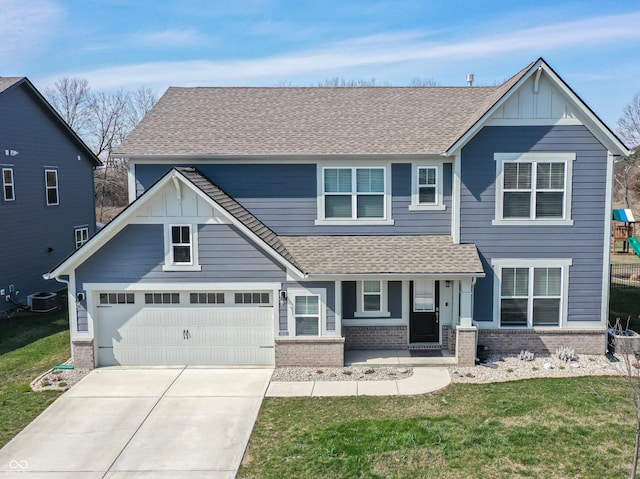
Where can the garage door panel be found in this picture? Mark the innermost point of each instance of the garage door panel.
(185, 335)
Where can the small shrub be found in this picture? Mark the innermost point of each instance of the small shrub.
(369, 371)
(62, 384)
(560, 367)
(319, 371)
(469, 375)
(347, 372)
(566, 354)
(535, 368)
(45, 384)
(526, 355)
(510, 370)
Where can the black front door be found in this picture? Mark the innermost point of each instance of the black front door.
(424, 324)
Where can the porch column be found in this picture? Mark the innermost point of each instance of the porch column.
(466, 303)
(466, 333)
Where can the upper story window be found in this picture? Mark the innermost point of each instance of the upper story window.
(426, 189)
(181, 248)
(81, 236)
(51, 182)
(8, 186)
(351, 194)
(533, 188)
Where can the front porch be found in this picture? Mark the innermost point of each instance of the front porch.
(399, 357)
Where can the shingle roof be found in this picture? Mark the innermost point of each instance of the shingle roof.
(311, 120)
(383, 254)
(237, 210)
(6, 82)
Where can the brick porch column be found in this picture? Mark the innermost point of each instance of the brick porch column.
(82, 353)
(466, 345)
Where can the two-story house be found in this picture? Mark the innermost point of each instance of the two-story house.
(283, 225)
(47, 206)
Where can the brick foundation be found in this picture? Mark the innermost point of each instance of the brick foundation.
(543, 341)
(375, 337)
(82, 353)
(466, 345)
(449, 338)
(327, 352)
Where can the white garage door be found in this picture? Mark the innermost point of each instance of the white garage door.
(165, 334)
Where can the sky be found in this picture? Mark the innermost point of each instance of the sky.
(594, 45)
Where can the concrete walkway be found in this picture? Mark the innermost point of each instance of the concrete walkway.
(142, 423)
(424, 380)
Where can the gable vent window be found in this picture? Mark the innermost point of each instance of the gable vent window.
(51, 181)
(8, 186)
(162, 298)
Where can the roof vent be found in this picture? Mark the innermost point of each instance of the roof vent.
(469, 79)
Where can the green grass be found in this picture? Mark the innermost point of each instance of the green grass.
(539, 428)
(29, 345)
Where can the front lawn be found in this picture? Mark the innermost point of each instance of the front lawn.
(29, 345)
(542, 428)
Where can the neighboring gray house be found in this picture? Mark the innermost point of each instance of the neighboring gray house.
(283, 225)
(47, 198)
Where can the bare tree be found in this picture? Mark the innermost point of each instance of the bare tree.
(69, 96)
(422, 81)
(629, 122)
(626, 174)
(141, 102)
(341, 82)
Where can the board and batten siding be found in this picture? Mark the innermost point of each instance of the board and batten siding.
(583, 242)
(35, 237)
(283, 196)
(136, 255)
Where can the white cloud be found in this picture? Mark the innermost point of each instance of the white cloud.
(373, 52)
(25, 27)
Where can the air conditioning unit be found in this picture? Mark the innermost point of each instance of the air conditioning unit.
(42, 302)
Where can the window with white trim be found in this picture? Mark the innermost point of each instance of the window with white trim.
(354, 193)
(8, 186)
(423, 295)
(531, 296)
(206, 298)
(162, 298)
(372, 299)
(533, 188)
(117, 298)
(81, 236)
(252, 298)
(307, 315)
(51, 185)
(181, 246)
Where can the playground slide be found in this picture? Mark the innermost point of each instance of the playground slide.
(635, 245)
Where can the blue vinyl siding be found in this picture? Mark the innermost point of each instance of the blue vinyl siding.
(350, 300)
(136, 255)
(29, 228)
(283, 196)
(583, 242)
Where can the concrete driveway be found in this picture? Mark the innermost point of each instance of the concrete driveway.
(142, 423)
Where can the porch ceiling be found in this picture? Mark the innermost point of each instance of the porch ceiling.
(383, 255)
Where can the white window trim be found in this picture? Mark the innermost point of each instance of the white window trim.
(563, 264)
(322, 310)
(502, 158)
(415, 204)
(85, 236)
(12, 184)
(47, 187)
(385, 220)
(384, 301)
(194, 265)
